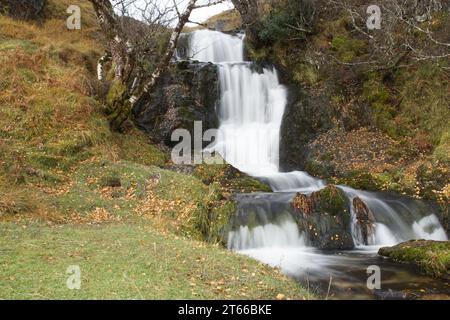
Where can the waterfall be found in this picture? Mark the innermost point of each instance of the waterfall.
(397, 220)
(215, 47)
(251, 111)
(282, 235)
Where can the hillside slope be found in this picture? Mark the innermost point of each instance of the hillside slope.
(99, 199)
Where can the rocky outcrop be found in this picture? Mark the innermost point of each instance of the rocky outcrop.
(23, 9)
(188, 92)
(229, 179)
(305, 117)
(365, 220)
(324, 217)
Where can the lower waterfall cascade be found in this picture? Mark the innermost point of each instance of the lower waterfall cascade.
(250, 112)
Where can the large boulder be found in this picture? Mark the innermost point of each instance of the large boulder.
(23, 9)
(325, 218)
(188, 92)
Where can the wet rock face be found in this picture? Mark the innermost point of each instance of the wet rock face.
(324, 217)
(23, 9)
(364, 219)
(188, 92)
(305, 117)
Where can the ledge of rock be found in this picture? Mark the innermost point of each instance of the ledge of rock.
(188, 92)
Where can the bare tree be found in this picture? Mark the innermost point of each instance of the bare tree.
(407, 30)
(135, 31)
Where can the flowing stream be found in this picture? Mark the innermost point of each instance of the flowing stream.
(251, 111)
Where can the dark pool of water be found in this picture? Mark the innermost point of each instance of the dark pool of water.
(348, 273)
(349, 278)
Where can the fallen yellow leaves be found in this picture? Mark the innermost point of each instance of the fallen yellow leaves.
(281, 296)
(97, 216)
(155, 206)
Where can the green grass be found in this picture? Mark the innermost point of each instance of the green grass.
(13, 44)
(128, 261)
(87, 190)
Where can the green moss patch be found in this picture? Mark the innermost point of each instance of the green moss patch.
(230, 179)
(332, 200)
(432, 257)
(347, 48)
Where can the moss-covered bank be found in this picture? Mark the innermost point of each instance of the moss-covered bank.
(432, 257)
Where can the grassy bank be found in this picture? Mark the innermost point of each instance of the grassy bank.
(432, 257)
(127, 260)
(73, 192)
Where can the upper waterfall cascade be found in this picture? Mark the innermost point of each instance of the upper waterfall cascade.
(250, 111)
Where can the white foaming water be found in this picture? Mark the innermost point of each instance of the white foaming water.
(251, 110)
(383, 237)
(296, 181)
(282, 235)
(429, 228)
(215, 47)
(392, 226)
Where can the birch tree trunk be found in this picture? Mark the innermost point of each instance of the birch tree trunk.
(165, 61)
(122, 94)
(118, 106)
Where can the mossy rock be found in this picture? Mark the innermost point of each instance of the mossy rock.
(214, 224)
(229, 178)
(432, 257)
(332, 200)
(324, 217)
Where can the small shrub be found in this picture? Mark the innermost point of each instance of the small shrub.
(283, 20)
